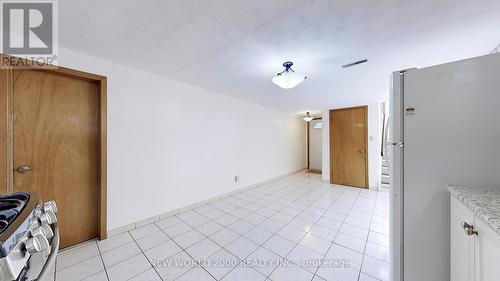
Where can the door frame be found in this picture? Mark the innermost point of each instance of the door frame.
(6, 133)
(308, 145)
(330, 124)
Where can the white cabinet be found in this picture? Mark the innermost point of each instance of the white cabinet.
(487, 252)
(462, 245)
(474, 251)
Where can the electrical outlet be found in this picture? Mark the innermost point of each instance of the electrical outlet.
(236, 179)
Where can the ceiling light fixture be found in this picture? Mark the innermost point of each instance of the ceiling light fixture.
(288, 79)
(307, 118)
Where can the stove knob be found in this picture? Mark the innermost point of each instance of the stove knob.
(49, 233)
(44, 244)
(48, 218)
(50, 206)
(43, 230)
(33, 245)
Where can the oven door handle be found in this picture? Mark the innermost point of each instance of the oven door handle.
(52, 257)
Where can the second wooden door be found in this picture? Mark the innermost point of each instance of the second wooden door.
(55, 147)
(349, 146)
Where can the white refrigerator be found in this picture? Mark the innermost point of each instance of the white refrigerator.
(445, 129)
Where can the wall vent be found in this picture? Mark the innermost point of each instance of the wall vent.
(354, 63)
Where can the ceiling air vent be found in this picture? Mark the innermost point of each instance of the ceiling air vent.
(354, 63)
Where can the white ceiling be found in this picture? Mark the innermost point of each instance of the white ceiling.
(235, 46)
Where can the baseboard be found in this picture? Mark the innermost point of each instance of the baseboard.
(128, 227)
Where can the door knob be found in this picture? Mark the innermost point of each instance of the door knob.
(24, 169)
(469, 229)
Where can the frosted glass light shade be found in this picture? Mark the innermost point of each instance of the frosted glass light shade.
(288, 79)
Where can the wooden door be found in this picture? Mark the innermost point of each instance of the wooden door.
(56, 134)
(349, 146)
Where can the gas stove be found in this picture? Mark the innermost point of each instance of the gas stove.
(29, 237)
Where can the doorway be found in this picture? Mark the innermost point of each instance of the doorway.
(55, 125)
(314, 145)
(349, 146)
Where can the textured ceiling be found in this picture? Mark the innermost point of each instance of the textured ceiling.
(235, 46)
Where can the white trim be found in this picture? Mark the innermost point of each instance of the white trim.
(150, 220)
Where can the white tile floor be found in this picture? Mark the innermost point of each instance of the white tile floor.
(296, 228)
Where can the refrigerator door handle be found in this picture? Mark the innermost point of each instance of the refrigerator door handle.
(400, 144)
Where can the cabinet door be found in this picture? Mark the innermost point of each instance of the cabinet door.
(461, 244)
(487, 252)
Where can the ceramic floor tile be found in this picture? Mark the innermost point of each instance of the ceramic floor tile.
(263, 261)
(254, 218)
(305, 258)
(241, 247)
(380, 228)
(354, 231)
(258, 235)
(226, 220)
(168, 222)
(379, 239)
(279, 245)
(300, 224)
(177, 229)
(357, 222)
(113, 242)
(175, 266)
(144, 231)
(120, 254)
(330, 223)
(81, 270)
(244, 273)
(221, 263)
(163, 251)
(376, 268)
(148, 275)
(75, 255)
(296, 217)
(209, 228)
(377, 251)
(197, 221)
(365, 277)
(100, 276)
(203, 249)
(350, 242)
(271, 225)
(198, 274)
(340, 256)
(323, 232)
(224, 236)
(315, 243)
(241, 227)
(338, 273)
(214, 214)
(186, 215)
(287, 272)
(189, 238)
(153, 240)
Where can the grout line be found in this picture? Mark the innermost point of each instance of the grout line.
(102, 261)
(140, 249)
(301, 191)
(344, 221)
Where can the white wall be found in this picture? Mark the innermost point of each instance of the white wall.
(374, 138)
(171, 144)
